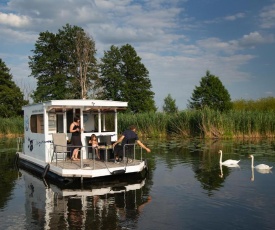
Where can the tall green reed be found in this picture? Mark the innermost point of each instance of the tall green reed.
(204, 123)
(152, 125)
(11, 126)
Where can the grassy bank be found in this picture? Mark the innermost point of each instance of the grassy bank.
(185, 124)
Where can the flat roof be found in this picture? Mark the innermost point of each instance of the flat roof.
(80, 103)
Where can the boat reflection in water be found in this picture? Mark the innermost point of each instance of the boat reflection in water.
(97, 206)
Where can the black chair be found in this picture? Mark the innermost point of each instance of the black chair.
(126, 150)
(129, 148)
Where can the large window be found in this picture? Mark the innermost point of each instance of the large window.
(52, 122)
(108, 122)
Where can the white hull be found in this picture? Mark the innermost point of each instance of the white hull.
(89, 169)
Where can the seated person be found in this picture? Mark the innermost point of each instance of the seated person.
(94, 143)
(128, 137)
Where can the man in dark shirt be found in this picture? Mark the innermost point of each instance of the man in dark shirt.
(129, 136)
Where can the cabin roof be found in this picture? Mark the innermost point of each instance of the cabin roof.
(86, 105)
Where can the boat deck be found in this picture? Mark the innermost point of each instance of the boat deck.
(93, 164)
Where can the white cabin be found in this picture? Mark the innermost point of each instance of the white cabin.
(41, 120)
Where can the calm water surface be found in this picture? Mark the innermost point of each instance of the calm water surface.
(185, 189)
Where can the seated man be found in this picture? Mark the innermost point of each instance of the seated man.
(129, 136)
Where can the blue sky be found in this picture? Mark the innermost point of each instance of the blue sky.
(178, 40)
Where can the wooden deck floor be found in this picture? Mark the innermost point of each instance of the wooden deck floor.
(93, 164)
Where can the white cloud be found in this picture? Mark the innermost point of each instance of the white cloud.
(232, 18)
(14, 20)
(216, 45)
(267, 16)
(255, 38)
(235, 16)
(109, 5)
(16, 36)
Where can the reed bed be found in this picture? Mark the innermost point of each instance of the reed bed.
(153, 125)
(204, 123)
(11, 126)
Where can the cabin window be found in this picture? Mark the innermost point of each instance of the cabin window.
(108, 122)
(96, 123)
(37, 123)
(59, 123)
(56, 124)
(52, 122)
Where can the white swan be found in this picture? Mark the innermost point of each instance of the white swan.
(228, 162)
(261, 168)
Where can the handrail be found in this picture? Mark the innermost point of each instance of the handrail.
(69, 151)
(93, 152)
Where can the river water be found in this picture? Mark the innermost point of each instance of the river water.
(185, 188)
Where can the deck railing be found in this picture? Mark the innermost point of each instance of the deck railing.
(126, 159)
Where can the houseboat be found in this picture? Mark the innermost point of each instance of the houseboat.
(46, 149)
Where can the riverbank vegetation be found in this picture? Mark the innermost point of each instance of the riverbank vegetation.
(11, 127)
(205, 123)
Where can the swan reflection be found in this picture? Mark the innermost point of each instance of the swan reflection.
(262, 171)
(252, 174)
(228, 166)
(221, 172)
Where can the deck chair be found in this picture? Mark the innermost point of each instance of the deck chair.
(129, 149)
(60, 149)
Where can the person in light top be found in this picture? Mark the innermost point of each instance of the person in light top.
(94, 143)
